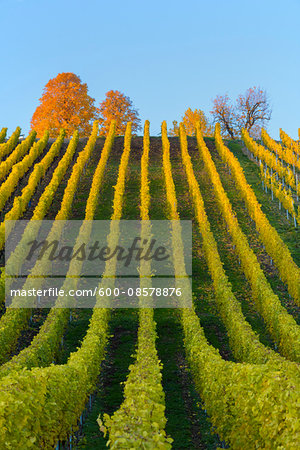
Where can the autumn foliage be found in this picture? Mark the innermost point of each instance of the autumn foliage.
(189, 120)
(118, 107)
(65, 103)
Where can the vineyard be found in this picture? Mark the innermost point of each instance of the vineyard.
(223, 373)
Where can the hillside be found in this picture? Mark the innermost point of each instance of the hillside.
(188, 410)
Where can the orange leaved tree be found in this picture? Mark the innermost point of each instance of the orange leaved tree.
(66, 104)
(118, 107)
(189, 120)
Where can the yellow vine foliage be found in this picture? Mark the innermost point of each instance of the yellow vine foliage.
(276, 248)
(19, 169)
(49, 388)
(243, 341)
(239, 398)
(7, 147)
(16, 155)
(132, 425)
(281, 325)
(3, 134)
(285, 153)
(49, 337)
(21, 202)
(289, 142)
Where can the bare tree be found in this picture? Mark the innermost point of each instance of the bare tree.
(250, 111)
(223, 112)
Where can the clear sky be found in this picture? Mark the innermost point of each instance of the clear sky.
(166, 56)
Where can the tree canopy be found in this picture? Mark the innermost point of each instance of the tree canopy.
(118, 107)
(189, 120)
(65, 103)
(250, 111)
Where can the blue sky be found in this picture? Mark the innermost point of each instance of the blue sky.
(166, 56)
